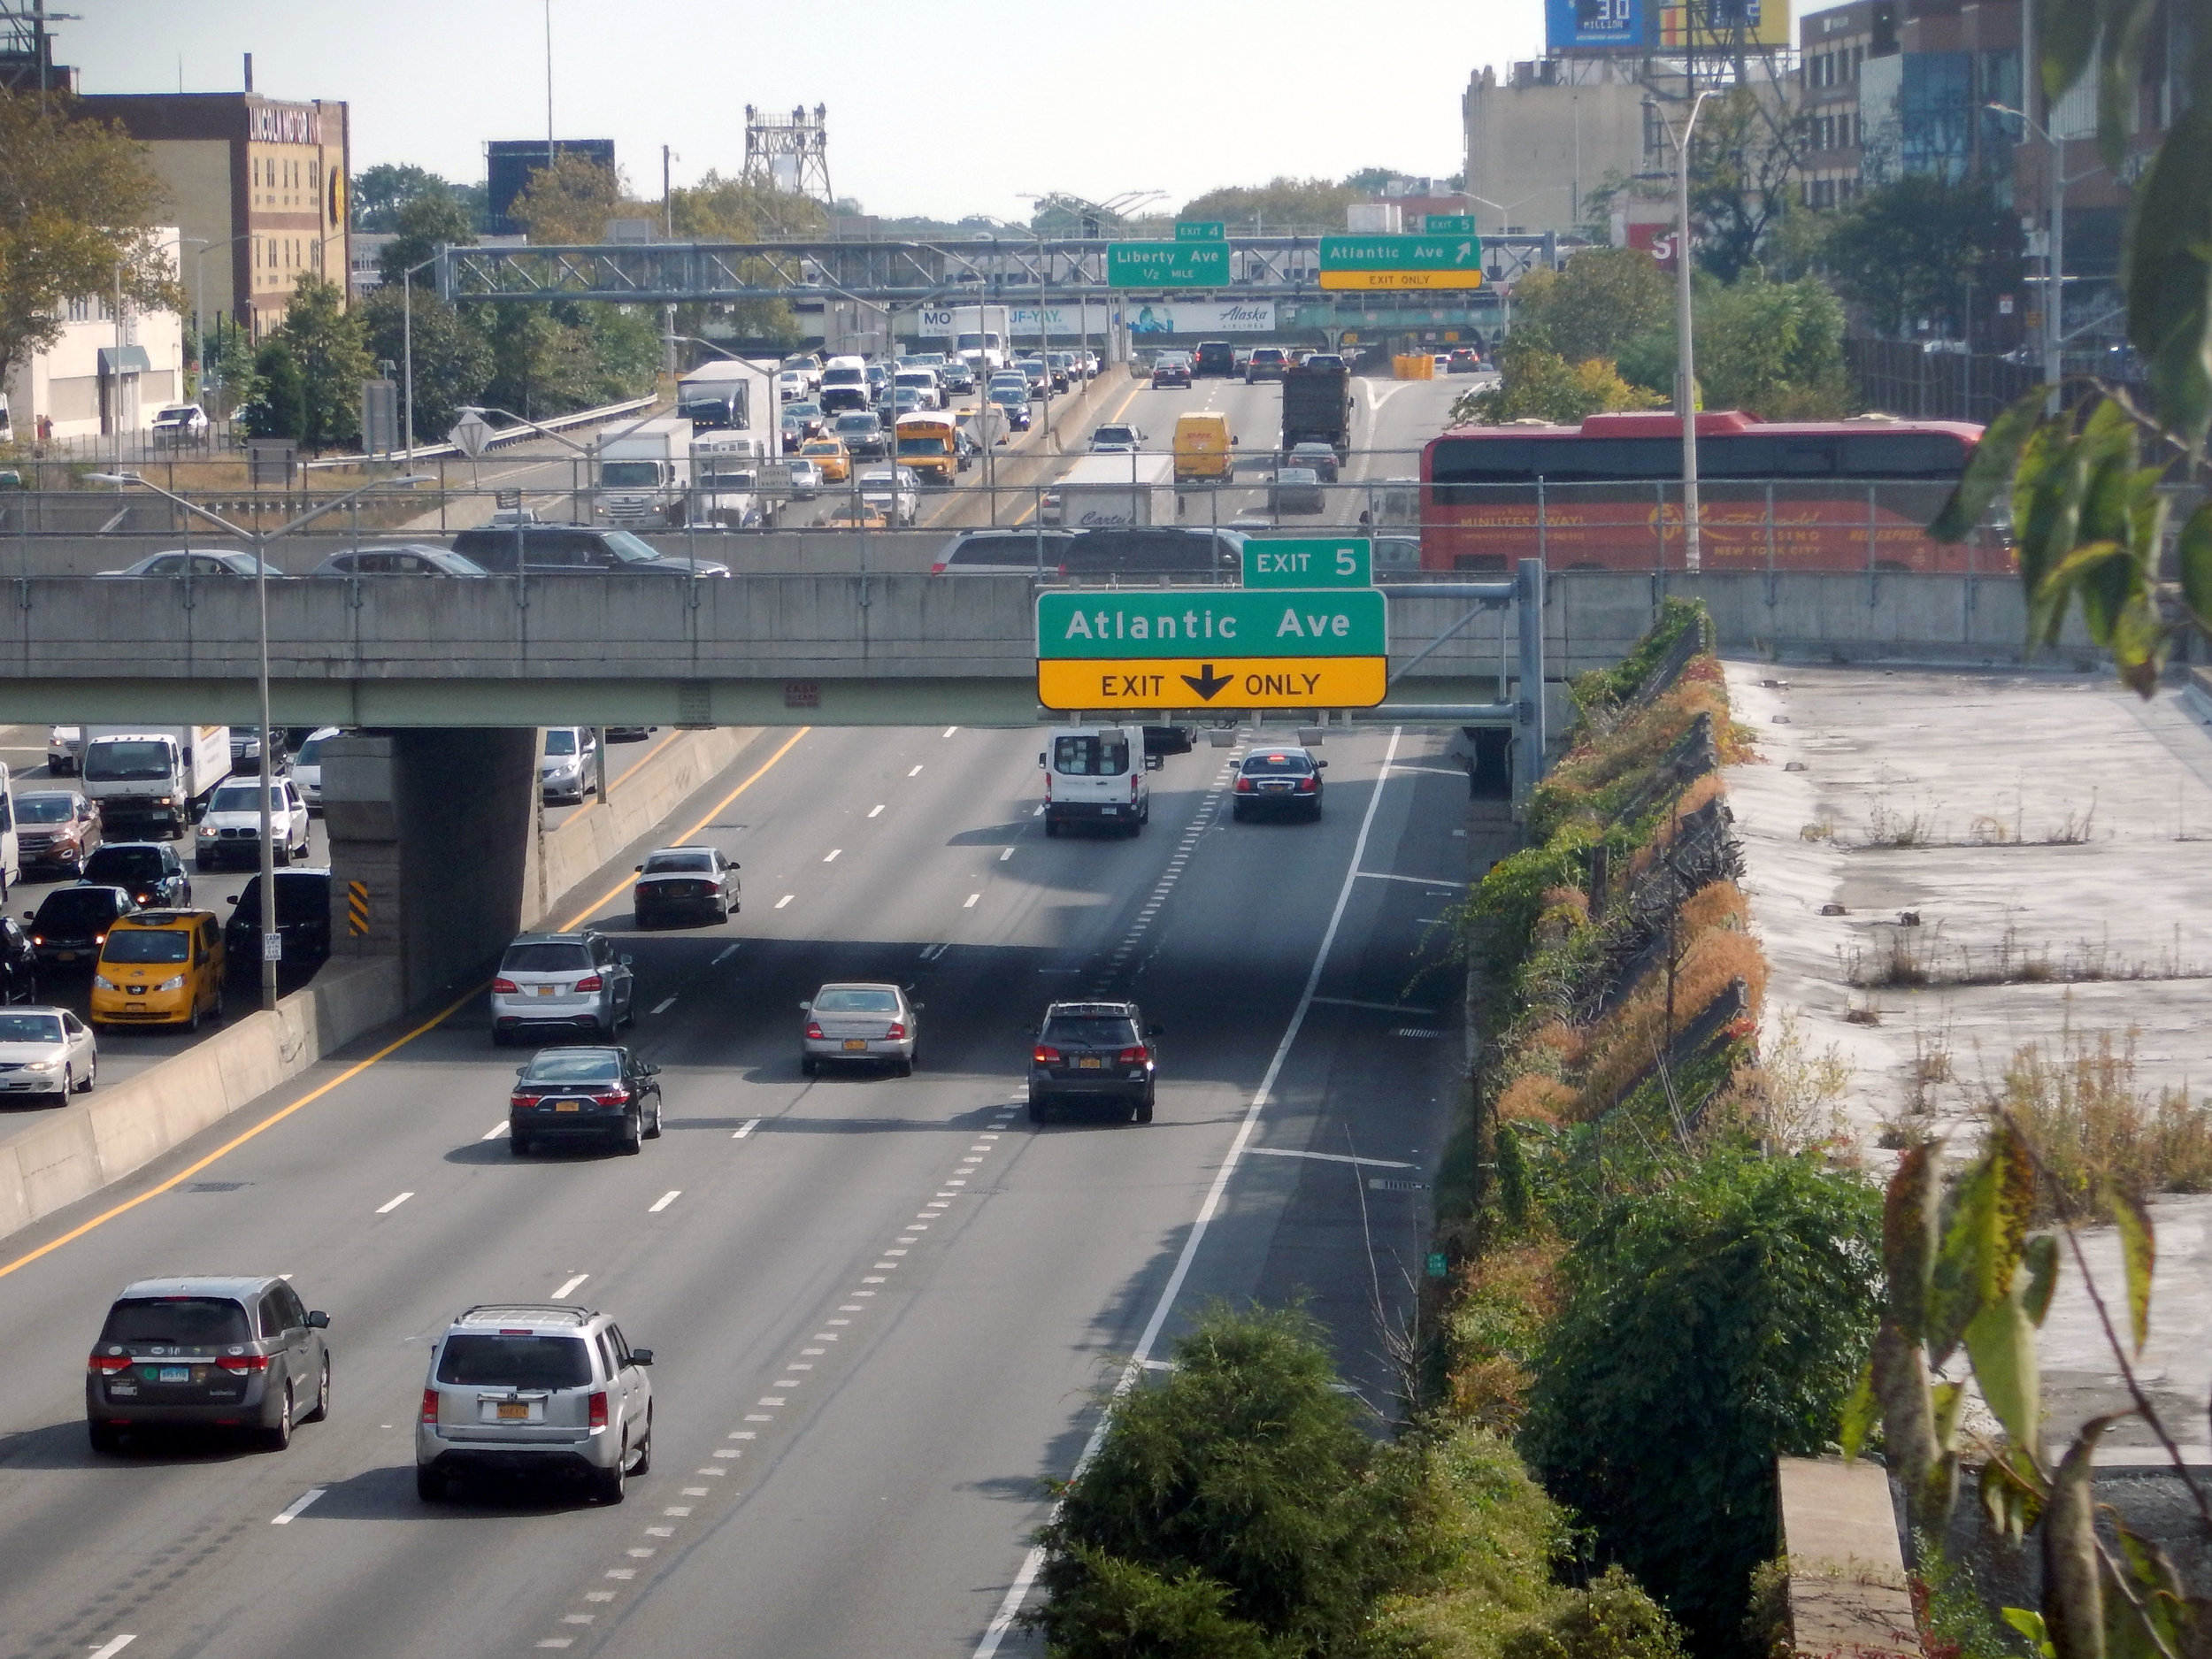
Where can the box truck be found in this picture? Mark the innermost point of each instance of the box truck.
(729, 395)
(1113, 491)
(979, 337)
(151, 780)
(644, 474)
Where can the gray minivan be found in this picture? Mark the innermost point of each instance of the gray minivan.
(222, 1352)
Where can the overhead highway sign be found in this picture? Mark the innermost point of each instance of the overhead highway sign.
(1226, 647)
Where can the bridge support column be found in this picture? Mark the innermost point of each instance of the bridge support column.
(436, 825)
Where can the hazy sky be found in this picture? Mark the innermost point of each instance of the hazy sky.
(945, 108)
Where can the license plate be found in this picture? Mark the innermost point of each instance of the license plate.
(549, 990)
(1111, 811)
(1089, 1065)
(134, 1008)
(175, 1373)
(64, 956)
(516, 1411)
(856, 1045)
(568, 1105)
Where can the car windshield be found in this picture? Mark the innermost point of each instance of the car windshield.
(545, 956)
(506, 1361)
(574, 1065)
(660, 863)
(1091, 755)
(1276, 765)
(30, 1027)
(726, 483)
(148, 944)
(75, 907)
(629, 474)
(1090, 1030)
(239, 797)
(124, 865)
(176, 1322)
(832, 1000)
(629, 548)
(1115, 435)
(856, 423)
(44, 809)
(311, 753)
(561, 740)
(1008, 394)
(125, 761)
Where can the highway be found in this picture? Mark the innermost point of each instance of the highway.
(880, 1306)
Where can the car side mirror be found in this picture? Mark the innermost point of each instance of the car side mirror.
(1321, 765)
(806, 1008)
(319, 1320)
(232, 899)
(625, 960)
(1155, 1031)
(639, 868)
(641, 1356)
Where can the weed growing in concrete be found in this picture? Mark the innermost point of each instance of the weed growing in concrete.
(1887, 828)
(2095, 1128)
(1802, 1092)
(2075, 827)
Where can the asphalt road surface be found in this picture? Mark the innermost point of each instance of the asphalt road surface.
(880, 1306)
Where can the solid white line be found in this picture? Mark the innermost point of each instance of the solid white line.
(670, 1197)
(561, 1294)
(875, 809)
(830, 857)
(114, 1648)
(386, 1210)
(1379, 1008)
(1328, 1157)
(298, 1503)
(1418, 881)
(727, 953)
(972, 897)
(1033, 1562)
(495, 1131)
(747, 1128)
(786, 900)
(663, 1005)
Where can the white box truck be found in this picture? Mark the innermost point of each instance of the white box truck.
(643, 474)
(979, 336)
(1103, 492)
(151, 780)
(726, 484)
(729, 395)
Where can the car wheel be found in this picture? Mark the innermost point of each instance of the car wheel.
(91, 1075)
(632, 1140)
(607, 1484)
(644, 1463)
(1052, 828)
(1237, 811)
(106, 1439)
(906, 1067)
(429, 1484)
(807, 1067)
(203, 865)
(68, 1086)
(519, 1144)
(499, 1038)
(282, 856)
(1143, 1113)
(653, 1130)
(193, 1024)
(278, 1435)
(1036, 1110)
(320, 1413)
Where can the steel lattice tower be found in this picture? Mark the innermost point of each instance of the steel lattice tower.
(789, 152)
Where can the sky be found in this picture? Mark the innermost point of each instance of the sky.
(944, 109)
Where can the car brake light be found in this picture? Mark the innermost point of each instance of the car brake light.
(38, 939)
(591, 982)
(520, 1099)
(1244, 785)
(504, 987)
(1133, 777)
(241, 1363)
(108, 1364)
(1043, 1055)
(614, 1097)
(814, 1029)
(1137, 1056)
(897, 1032)
(429, 1405)
(599, 1410)
(1308, 783)
(938, 569)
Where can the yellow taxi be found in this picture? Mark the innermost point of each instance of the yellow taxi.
(862, 517)
(830, 455)
(159, 968)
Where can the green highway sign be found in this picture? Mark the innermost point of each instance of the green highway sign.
(1348, 562)
(1206, 230)
(1167, 264)
(1222, 622)
(1452, 252)
(1448, 224)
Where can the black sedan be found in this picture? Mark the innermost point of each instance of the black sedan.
(71, 924)
(1094, 1054)
(303, 922)
(685, 884)
(1284, 780)
(1171, 371)
(149, 871)
(584, 1094)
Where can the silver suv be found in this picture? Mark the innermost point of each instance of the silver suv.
(217, 1353)
(569, 981)
(525, 1388)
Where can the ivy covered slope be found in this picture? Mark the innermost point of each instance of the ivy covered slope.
(1652, 1290)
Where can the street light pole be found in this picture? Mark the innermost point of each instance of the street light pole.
(1686, 368)
(2055, 183)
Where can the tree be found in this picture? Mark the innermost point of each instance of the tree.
(1282, 203)
(1537, 383)
(543, 365)
(276, 408)
(1596, 302)
(571, 200)
(381, 191)
(719, 208)
(1745, 157)
(452, 357)
(1915, 248)
(421, 223)
(323, 342)
(1773, 349)
(77, 201)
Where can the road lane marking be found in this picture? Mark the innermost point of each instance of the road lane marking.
(663, 1005)
(875, 809)
(786, 900)
(561, 1294)
(1329, 1157)
(114, 1648)
(1140, 1358)
(830, 857)
(1379, 1008)
(728, 951)
(916, 772)
(746, 1128)
(673, 1194)
(495, 1131)
(972, 897)
(950, 729)
(296, 1505)
(1004, 857)
(930, 952)
(387, 1209)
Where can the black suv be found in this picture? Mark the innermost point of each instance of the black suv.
(72, 923)
(572, 549)
(303, 921)
(150, 871)
(1214, 356)
(1093, 1052)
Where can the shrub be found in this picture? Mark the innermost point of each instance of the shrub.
(2091, 1124)
(1612, 1619)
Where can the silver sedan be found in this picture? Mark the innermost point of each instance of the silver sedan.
(867, 1024)
(46, 1051)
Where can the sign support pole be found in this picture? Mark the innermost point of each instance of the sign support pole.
(1528, 719)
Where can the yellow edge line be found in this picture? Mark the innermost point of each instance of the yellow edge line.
(615, 783)
(240, 1140)
(358, 1066)
(623, 886)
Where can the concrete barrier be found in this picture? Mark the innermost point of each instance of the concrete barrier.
(562, 858)
(1847, 1592)
(72, 1152)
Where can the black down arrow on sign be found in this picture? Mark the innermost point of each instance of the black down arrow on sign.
(1205, 682)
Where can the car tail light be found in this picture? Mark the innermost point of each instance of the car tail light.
(814, 1029)
(1137, 1056)
(429, 1405)
(99, 939)
(1244, 785)
(1043, 1055)
(599, 1410)
(1307, 784)
(520, 1099)
(897, 1032)
(108, 1364)
(614, 1097)
(591, 982)
(504, 987)
(239, 1364)
(938, 569)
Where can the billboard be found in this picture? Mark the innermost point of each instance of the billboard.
(1595, 25)
(1157, 317)
(1690, 24)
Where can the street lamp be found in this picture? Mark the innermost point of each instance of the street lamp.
(1686, 368)
(271, 940)
(1503, 207)
(2054, 248)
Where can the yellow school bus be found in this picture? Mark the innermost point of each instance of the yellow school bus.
(929, 442)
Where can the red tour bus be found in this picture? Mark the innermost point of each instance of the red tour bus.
(1816, 495)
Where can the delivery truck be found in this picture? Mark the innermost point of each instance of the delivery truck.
(150, 781)
(979, 337)
(729, 395)
(1102, 492)
(644, 474)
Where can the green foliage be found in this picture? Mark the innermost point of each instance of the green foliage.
(1112, 1609)
(1712, 1323)
(277, 405)
(1280, 205)
(422, 223)
(550, 359)
(1773, 349)
(325, 342)
(452, 357)
(1604, 689)
(1596, 302)
(1744, 161)
(1537, 383)
(1612, 1619)
(571, 200)
(1498, 921)
(1912, 249)
(1959, 1621)
(626, 350)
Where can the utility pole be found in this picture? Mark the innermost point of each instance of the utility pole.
(1685, 366)
(668, 234)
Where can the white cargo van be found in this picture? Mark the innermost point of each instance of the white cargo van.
(1095, 774)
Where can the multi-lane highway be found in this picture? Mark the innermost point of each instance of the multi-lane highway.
(879, 1305)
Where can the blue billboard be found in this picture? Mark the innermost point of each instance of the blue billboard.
(1588, 25)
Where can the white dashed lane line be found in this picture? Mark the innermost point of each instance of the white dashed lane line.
(387, 1209)
(830, 857)
(664, 1201)
(972, 897)
(728, 951)
(495, 1131)
(115, 1645)
(663, 1005)
(786, 900)
(1004, 857)
(916, 772)
(296, 1505)
(875, 809)
(746, 1128)
(567, 1290)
